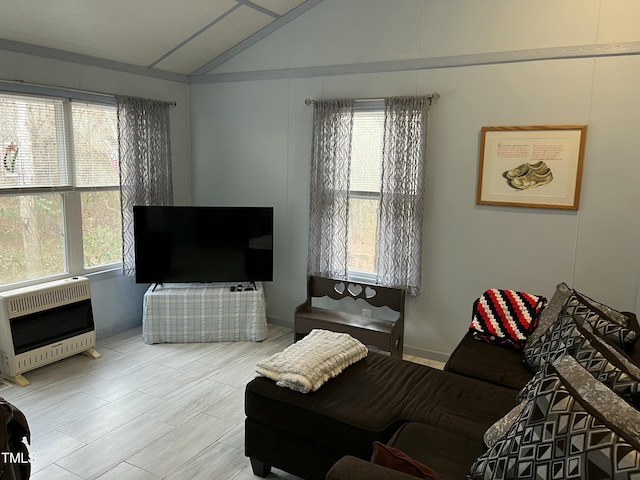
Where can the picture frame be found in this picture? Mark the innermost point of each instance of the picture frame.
(531, 166)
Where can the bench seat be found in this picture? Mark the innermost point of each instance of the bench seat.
(382, 333)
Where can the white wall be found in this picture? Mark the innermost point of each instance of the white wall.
(117, 300)
(251, 143)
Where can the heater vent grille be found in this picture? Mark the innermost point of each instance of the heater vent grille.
(51, 353)
(47, 296)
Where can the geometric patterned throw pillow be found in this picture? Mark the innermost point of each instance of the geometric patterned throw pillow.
(615, 316)
(506, 317)
(551, 312)
(596, 358)
(553, 345)
(608, 327)
(605, 366)
(566, 431)
(624, 337)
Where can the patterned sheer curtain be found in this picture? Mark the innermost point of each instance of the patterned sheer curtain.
(399, 242)
(329, 203)
(145, 163)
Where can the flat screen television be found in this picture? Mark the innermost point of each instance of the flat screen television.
(203, 244)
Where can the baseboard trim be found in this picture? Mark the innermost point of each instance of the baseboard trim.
(103, 333)
(281, 322)
(426, 353)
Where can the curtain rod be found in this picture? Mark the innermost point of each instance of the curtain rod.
(51, 90)
(432, 96)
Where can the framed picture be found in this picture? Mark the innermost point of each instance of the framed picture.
(531, 166)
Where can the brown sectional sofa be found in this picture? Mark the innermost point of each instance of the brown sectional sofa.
(436, 417)
(371, 400)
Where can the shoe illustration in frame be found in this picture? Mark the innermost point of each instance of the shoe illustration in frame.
(531, 166)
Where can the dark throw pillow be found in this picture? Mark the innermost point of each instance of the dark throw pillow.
(551, 312)
(395, 459)
(603, 320)
(600, 360)
(553, 345)
(572, 427)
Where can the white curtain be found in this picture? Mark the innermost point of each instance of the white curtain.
(399, 242)
(329, 203)
(145, 163)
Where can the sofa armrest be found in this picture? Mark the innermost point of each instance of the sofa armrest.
(352, 468)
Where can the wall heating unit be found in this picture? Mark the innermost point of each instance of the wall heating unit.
(45, 323)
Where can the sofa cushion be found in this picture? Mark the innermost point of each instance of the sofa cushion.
(506, 317)
(490, 363)
(448, 454)
(396, 459)
(350, 468)
(572, 427)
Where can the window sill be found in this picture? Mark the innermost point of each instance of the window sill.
(93, 276)
(362, 277)
(104, 274)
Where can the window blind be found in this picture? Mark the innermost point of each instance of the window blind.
(35, 153)
(32, 138)
(366, 151)
(95, 145)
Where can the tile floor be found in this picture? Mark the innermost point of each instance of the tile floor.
(145, 412)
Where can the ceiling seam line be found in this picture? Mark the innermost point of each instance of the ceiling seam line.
(258, 8)
(194, 35)
(259, 35)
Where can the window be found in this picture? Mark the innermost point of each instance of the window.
(367, 190)
(59, 187)
(364, 190)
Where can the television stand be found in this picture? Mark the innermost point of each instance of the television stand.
(203, 312)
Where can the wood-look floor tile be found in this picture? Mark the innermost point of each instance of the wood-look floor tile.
(109, 450)
(125, 471)
(35, 399)
(54, 472)
(124, 342)
(234, 438)
(113, 368)
(58, 413)
(190, 402)
(229, 408)
(180, 355)
(51, 447)
(88, 428)
(219, 461)
(193, 436)
(240, 372)
(132, 380)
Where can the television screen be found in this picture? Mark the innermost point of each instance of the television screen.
(203, 244)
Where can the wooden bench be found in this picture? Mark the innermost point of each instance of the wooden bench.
(381, 333)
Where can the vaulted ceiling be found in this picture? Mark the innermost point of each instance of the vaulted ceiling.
(164, 38)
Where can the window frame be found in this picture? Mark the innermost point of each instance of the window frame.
(70, 197)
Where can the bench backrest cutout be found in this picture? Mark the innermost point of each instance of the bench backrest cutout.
(375, 295)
